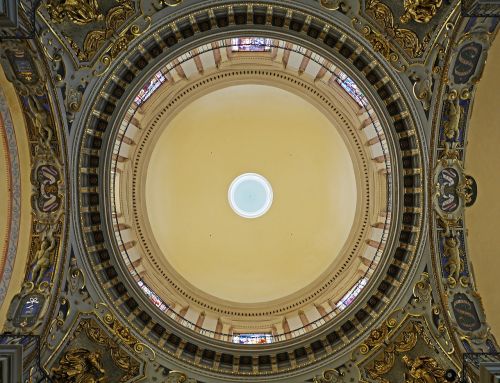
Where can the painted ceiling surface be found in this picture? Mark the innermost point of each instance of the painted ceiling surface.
(122, 125)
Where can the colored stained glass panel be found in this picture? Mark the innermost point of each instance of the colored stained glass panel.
(352, 89)
(252, 338)
(351, 295)
(150, 88)
(251, 44)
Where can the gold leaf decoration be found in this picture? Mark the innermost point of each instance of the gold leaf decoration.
(407, 39)
(79, 12)
(421, 11)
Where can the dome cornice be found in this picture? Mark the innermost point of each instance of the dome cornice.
(365, 69)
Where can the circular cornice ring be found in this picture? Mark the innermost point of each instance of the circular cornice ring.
(262, 76)
(400, 128)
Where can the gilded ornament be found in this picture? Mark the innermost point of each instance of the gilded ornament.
(125, 363)
(178, 377)
(96, 38)
(118, 15)
(404, 343)
(28, 308)
(79, 366)
(93, 41)
(329, 376)
(380, 44)
(119, 46)
(377, 337)
(76, 278)
(453, 189)
(408, 40)
(408, 340)
(422, 90)
(423, 369)
(332, 5)
(160, 4)
(124, 334)
(454, 264)
(80, 12)
(464, 190)
(452, 126)
(421, 11)
(170, 3)
(382, 367)
(41, 122)
(465, 94)
(120, 330)
(43, 256)
(120, 357)
(450, 153)
(422, 289)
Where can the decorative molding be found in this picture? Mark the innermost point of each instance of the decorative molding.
(404, 37)
(98, 350)
(48, 188)
(453, 190)
(13, 179)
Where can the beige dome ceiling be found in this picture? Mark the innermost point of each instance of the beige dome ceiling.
(180, 148)
(237, 130)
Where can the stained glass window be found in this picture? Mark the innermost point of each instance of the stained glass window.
(252, 338)
(352, 294)
(251, 44)
(350, 87)
(152, 296)
(150, 88)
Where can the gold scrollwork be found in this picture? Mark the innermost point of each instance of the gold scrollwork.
(422, 289)
(120, 330)
(80, 12)
(329, 376)
(422, 90)
(454, 264)
(170, 3)
(407, 39)
(382, 367)
(423, 369)
(43, 256)
(331, 5)
(79, 365)
(160, 4)
(97, 37)
(178, 377)
(378, 336)
(457, 188)
(124, 334)
(380, 45)
(421, 11)
(47, 185)
(99, 336)
(115, 18)
(404, 343)
(120, 45)
(455, 112)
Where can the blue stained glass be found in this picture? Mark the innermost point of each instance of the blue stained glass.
(352, 89)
